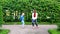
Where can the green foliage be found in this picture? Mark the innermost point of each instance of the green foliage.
(8, 18)
(1, 16)
(44, 8)
(54, 31)
(4, 31)
(58, 26)
(0, 30)
(26, 23)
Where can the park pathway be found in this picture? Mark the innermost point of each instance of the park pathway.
(17, 29)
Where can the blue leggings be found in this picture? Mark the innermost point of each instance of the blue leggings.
(23, 23)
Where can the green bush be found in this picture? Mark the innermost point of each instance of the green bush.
(4, 31)
(58, 26)
(44, 8)
(1, 16)
(8, 18)
(0, 30)
(53, 31)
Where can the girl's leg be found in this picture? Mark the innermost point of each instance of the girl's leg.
(33, 23)
(23, 23)
(36, 23)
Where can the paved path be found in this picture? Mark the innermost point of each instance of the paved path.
(17, 29)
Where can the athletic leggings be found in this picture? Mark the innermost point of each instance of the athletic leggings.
(34, 22)
(22, 23)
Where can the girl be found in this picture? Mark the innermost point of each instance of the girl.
(34, 18)
(22, 19)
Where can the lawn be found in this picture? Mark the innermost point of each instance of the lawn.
(4, 31)
(26, 23)
(54, 31)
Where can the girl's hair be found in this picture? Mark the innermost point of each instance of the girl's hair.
(34, 10)
(22, 13)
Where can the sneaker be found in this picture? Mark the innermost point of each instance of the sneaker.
(33, 27)
(37, 27)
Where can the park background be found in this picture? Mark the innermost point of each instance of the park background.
(48, 11)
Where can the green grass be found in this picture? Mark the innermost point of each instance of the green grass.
(26, 23)
(54, 31)
(4, 31)
(16, 23)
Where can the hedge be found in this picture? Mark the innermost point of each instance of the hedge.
(44, 8)
(1, 16)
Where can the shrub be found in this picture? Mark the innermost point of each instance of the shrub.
(58, 26)
(1, 16)
(43, 7)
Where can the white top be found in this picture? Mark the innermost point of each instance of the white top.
(33, 16)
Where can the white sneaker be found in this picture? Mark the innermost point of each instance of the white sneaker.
(33, 27)
(37, 27)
